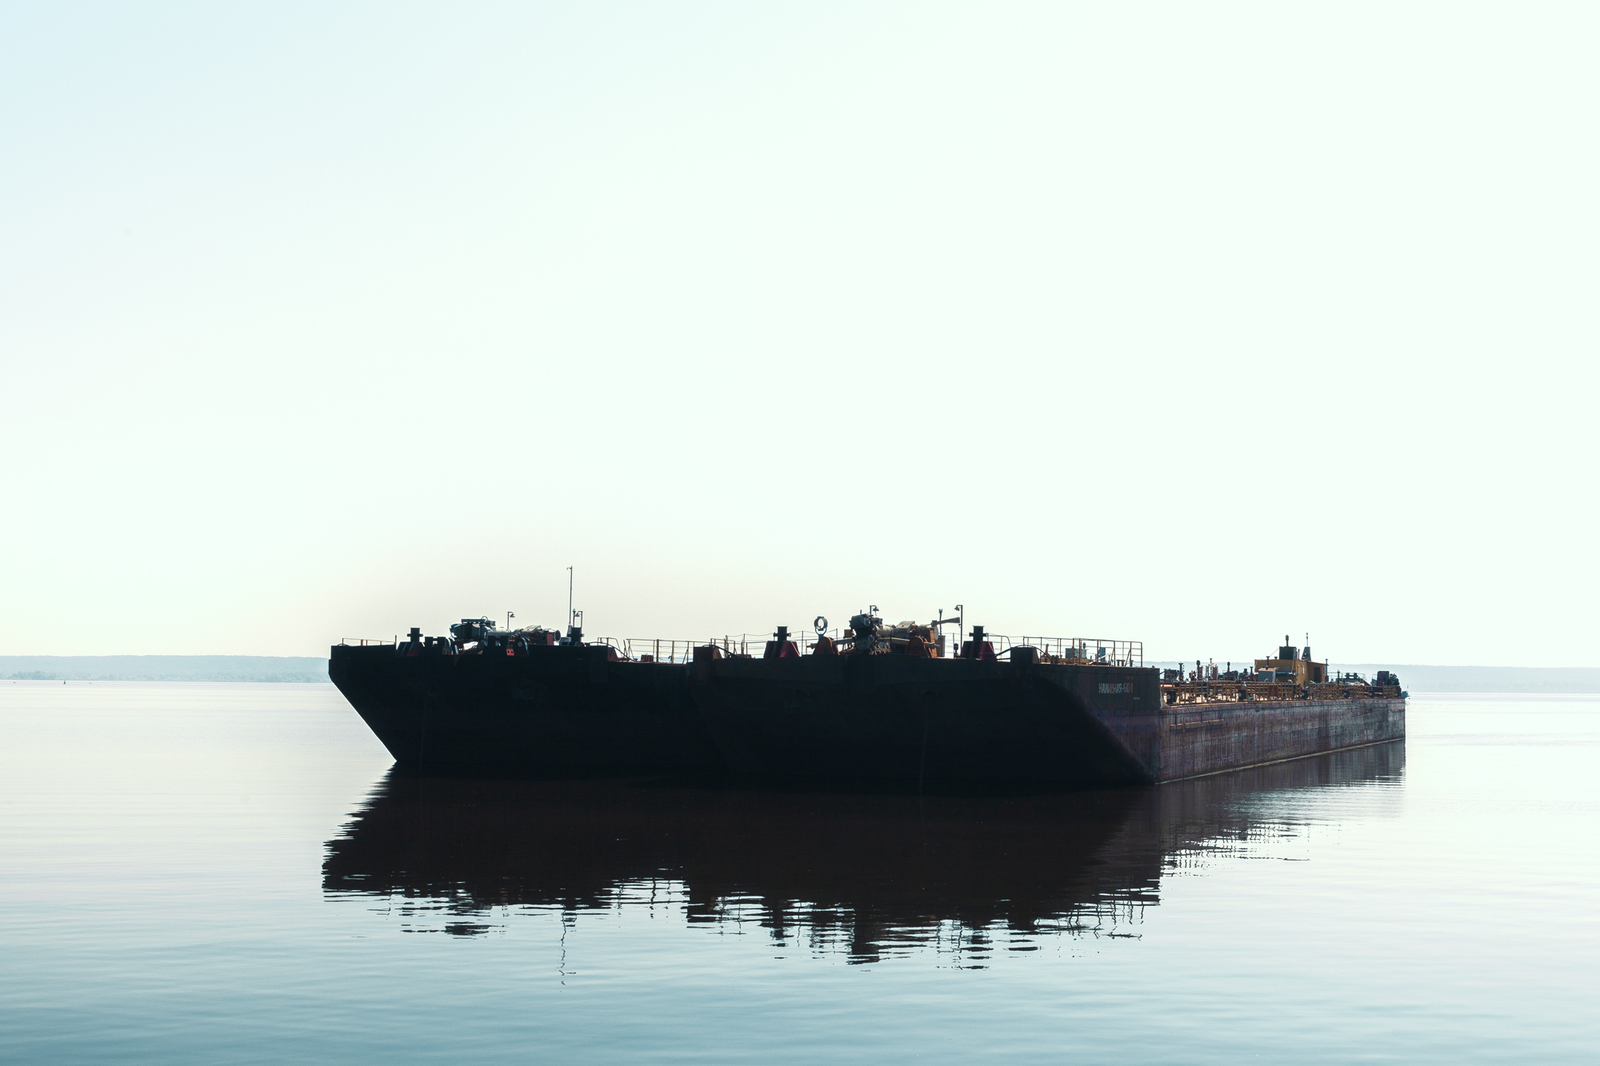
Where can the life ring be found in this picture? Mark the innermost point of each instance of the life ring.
(820, 624)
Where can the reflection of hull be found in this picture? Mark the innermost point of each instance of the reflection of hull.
(874, 870)
(555, 711)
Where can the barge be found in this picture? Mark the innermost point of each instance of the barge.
(873, 704)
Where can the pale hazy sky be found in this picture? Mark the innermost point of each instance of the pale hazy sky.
(1188, 323)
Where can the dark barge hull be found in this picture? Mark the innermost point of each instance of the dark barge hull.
(555, 711)
(899, 719)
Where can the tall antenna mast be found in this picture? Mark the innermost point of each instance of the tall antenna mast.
(569, 595)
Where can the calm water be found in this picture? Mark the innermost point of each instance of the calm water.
(230, 873)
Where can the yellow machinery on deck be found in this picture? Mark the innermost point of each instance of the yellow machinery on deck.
(1293, 666)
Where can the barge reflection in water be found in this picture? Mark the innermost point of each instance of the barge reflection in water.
(871, 876)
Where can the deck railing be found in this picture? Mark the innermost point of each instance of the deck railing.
(1094, 651)
(663, 650)
(652, 649)
(1083, 650)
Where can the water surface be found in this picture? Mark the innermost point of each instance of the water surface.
(231, 873)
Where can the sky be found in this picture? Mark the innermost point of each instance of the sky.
(1189, 324)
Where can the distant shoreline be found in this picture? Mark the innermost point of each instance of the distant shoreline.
(289, 668)
(270, 668)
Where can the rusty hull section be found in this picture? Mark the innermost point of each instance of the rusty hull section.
(1206, 738)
